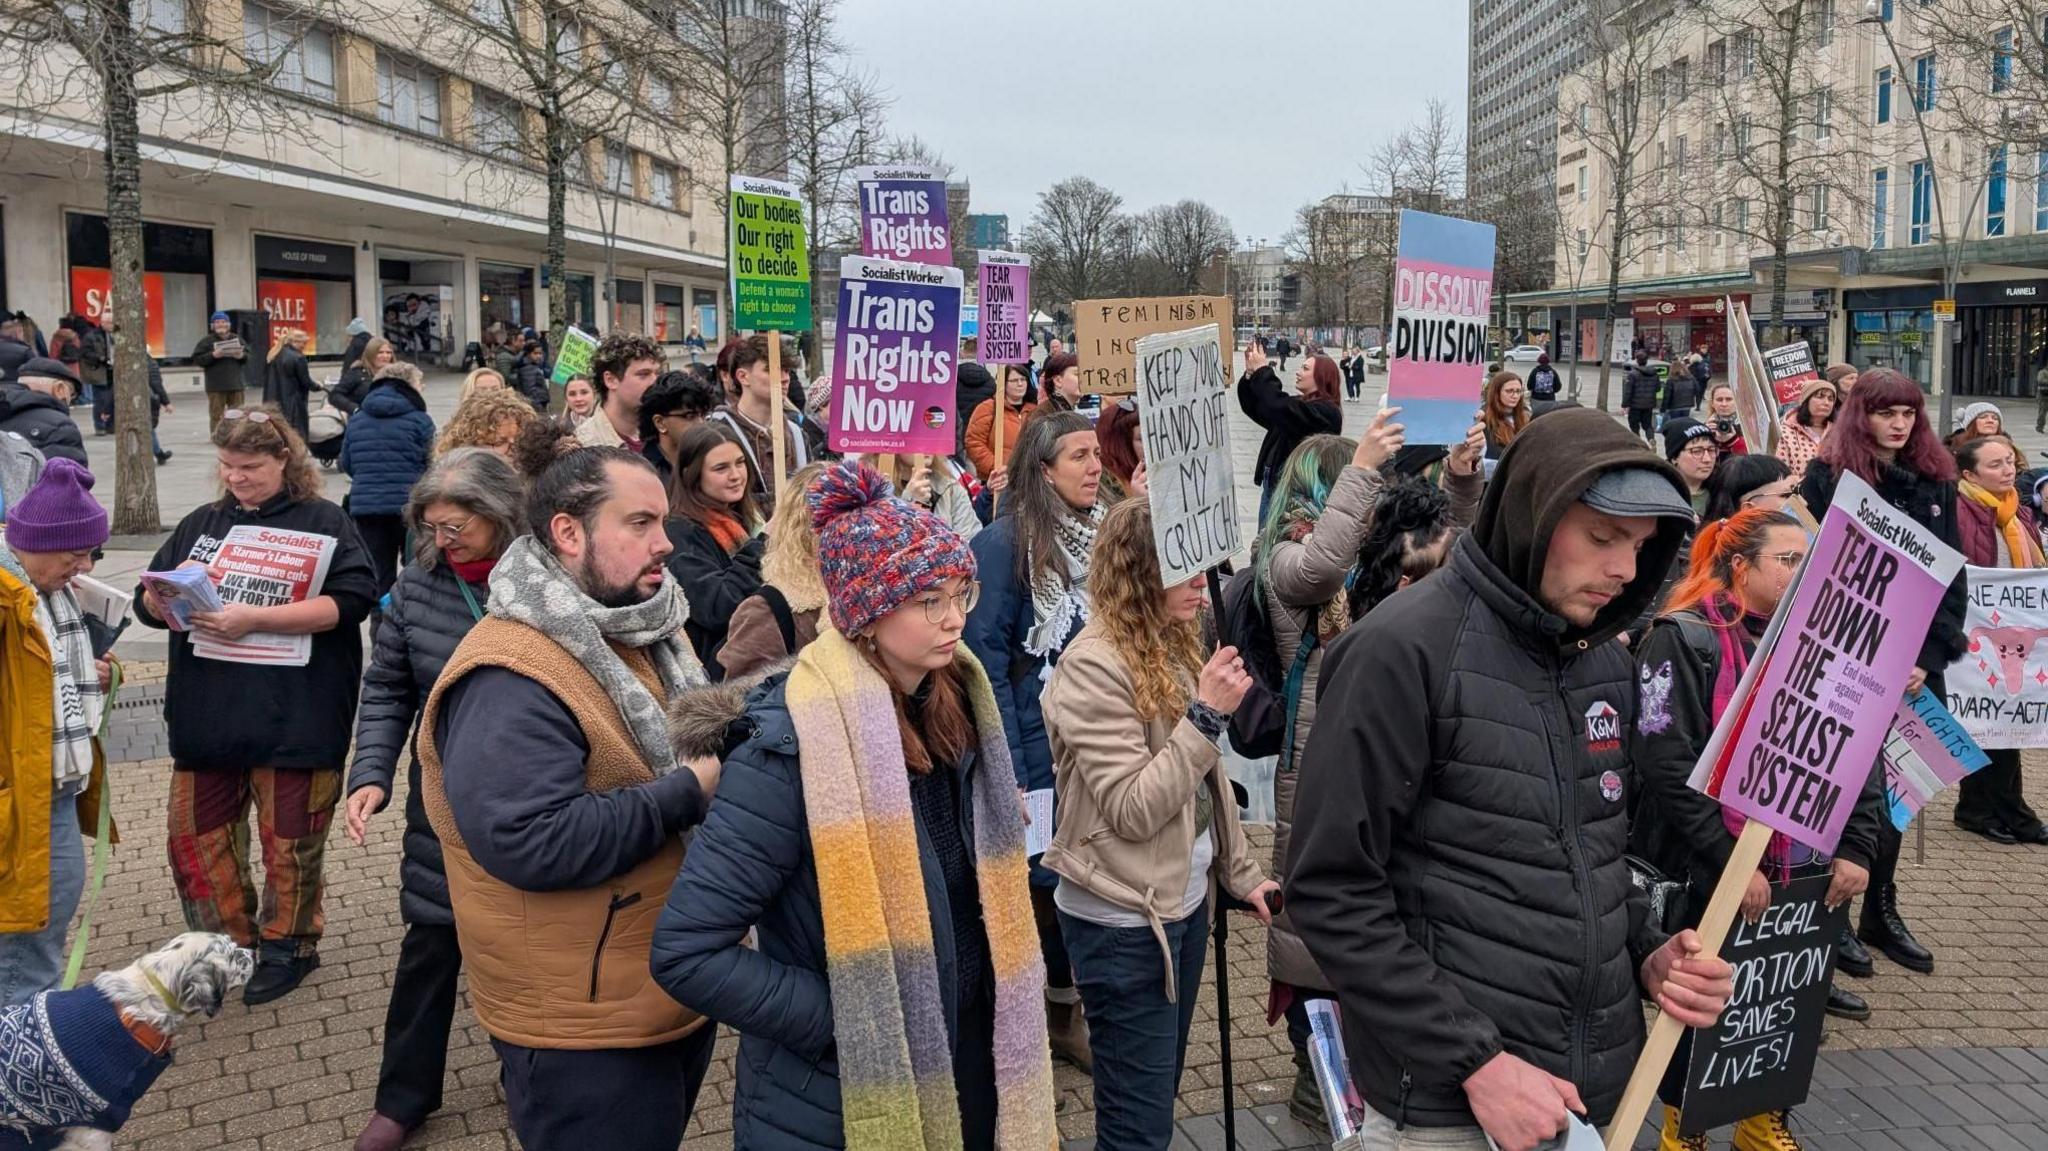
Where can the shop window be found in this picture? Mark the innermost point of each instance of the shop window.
(505, 295)
(670, 302)
(303, 55)
(408, 94)
(1919, 225)
(177, 280)
(704, 318)
(1884, 95)
(1880, 206)
(1994, 194)
(629, 305)
(310, 285)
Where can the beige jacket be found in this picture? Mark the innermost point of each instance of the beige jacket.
(596, 431)
(1126, 827)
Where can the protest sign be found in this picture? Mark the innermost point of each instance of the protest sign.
(903, 214)
(1621, 348)
(1925, 753)
(1833, 677)
(1753, 406)
(267, 567)
(1789, 369)
(1184, 410)
(1443, 296)
(1999, 689)
(771, 269)
(896, 357)
(1106, 335)
(1760, 1056)
(578, 347)
(1004, 285)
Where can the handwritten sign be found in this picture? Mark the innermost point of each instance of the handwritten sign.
(1759, 1056)
(771, 268)
(1005, 295)
(896, 357)
(1790, 368)
(1999, 689)
(1443, 297)
(1926, 753)
(1106, 335)
(903, 214)
(1183, 407)
(1837, 662)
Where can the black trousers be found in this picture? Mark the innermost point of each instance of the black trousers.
(384, 535)
(1992, 796)
(1059, 970)
(416, 1024)
(618, 1099)
(1643, 422)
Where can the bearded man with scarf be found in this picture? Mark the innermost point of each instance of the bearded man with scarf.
(549, 778)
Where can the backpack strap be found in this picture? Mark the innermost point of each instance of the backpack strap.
(785, 620)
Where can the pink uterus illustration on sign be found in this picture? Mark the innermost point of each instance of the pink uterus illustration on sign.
(2008, 648)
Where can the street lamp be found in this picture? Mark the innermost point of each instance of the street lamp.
(1873, 13)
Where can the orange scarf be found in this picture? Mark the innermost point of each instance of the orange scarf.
(728, 531)
(2005, 511)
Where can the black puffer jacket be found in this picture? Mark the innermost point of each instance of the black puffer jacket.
(423, 625)
(1932, 504)
(1457, 869)
(1288, 420)
(41, 420)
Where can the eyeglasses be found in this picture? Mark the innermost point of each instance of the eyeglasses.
(252, 417)
(1703, 451)
(1781, 494)
(447, 531)
(1127, 404)
(1789, 559)
(936, 604)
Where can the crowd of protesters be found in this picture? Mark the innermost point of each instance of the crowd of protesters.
(846, 683)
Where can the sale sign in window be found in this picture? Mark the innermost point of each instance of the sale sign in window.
(291, 304)
(92, 296)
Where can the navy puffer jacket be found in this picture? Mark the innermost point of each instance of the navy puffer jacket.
(387, 447)
(424, 623)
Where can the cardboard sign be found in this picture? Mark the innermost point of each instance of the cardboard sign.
(1790, 368)
(1443, 298)
(771, 268)
(1753, 406)
(1004, 284)
(1926, 753)
(291, 304)
(896, 358)
(578, 349)
(1759, 1057)
(1184, 410)
(1106, 335)
(903, 214)
(1999, 689)
(92, 296)
(1838, 657)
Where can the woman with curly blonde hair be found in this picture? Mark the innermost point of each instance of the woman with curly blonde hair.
(1135, 717)
(487, 418)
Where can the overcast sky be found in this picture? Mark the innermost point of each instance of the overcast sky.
(1256, 108)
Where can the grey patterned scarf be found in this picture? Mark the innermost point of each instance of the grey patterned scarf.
(1059, 599)
(530, 586)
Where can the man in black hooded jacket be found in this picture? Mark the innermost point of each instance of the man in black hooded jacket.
(1457, 867)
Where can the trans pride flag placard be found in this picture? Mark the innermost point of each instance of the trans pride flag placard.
(1443, 296)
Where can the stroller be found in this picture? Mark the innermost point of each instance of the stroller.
(324, 428)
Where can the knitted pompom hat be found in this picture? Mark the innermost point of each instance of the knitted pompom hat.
(876, 551)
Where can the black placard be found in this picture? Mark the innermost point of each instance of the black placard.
(1759, 1057)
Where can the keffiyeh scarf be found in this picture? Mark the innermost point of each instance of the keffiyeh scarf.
(1059, 600)
(79, 701)
(530, 586)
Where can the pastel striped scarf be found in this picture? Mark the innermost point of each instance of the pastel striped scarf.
(895, 1063)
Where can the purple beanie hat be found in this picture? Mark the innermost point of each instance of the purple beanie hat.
(58, 514)
(876, 551)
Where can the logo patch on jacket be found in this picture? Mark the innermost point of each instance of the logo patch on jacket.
(1603, 728)
(1610, 785)
(1653, 713)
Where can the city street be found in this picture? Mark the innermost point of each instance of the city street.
(1953, 1060)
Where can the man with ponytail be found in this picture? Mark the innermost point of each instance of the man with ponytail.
(1687, 671)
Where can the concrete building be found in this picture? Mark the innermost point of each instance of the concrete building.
(1867, 242)
(388, 180)
(1519, 53)
(988, 230)
(1261, 292)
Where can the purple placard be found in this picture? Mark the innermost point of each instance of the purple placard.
(1005, 295)
(1834, 676)
(895, 361)
(903, 215)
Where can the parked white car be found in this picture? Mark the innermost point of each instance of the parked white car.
(1522, 355)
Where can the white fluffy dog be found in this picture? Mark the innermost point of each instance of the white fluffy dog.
(72, 1063)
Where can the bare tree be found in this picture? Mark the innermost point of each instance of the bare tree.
(1627, 41)
(1185, 240)
(834, 109)
(119, 61)
(1329, 251)
(1523, 211)
(1073, 239)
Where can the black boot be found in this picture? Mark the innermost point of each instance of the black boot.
(277, 978)
(1844, 1004)
(1852, 958)
(1885, 929)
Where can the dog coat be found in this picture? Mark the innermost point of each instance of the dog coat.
(66, 1060)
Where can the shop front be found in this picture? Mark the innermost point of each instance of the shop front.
(309, 285)
(177, 280)
(629, 305)
(1807, 311)
(1668, 329)
(504, 296)
(2001, 335)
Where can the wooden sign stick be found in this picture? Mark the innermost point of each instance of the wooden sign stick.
(995, 499)
(1663, 1040)
(775, 420)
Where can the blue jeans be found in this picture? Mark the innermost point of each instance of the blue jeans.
(1138, 1038)
(32, 961)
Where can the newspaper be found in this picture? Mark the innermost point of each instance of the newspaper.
(180, 592)
(228, 348)
(267, 567)
(1341, 1101)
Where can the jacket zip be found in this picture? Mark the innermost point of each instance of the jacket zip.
(1582, 882)
(620, 901)
(1401, 1102)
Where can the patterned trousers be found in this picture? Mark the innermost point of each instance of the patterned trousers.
(209, 848)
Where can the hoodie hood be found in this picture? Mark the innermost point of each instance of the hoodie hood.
(1541, 475)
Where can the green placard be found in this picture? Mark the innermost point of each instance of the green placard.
(578, 346)
(765, 249)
